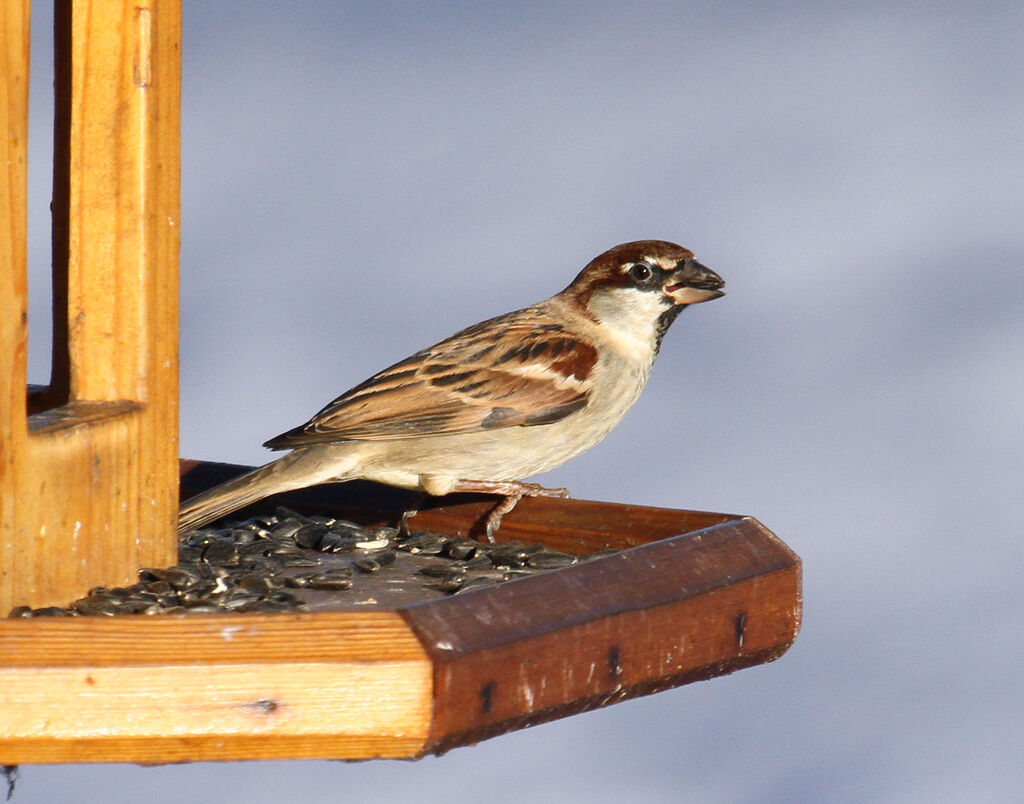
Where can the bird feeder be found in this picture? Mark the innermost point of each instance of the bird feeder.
(89, 489)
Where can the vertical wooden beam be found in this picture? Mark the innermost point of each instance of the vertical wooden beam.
(89, 489)
(14, 52)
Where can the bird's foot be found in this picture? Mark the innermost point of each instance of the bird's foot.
(512, 491)
(411, 511)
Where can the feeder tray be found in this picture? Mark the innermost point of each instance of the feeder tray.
(690, 596)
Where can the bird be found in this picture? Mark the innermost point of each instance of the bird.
(503, 400)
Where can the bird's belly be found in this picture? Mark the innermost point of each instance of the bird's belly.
(510, 453)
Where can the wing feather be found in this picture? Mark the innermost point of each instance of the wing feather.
(520, 369)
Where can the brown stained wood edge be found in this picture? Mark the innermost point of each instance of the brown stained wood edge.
(671, 612)
(662, 572)
(442, 742)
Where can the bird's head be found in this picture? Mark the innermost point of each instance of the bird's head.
(642, 285)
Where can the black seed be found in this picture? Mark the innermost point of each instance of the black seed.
(222, 553)
(254, 551)
(332, 542)
(158, 587)
(188, 554)
(332, 584)
(479, 561)
(550, 560)
(51, 611)
(461, 548)
(383, 557)
(259, 584)
(346, 528)
(286, 529)
(245, 535)
(453, 581)
(301, 580)
(474, 583)
(320, 519)
(282, 513)
(309, 535)
(436, 569)
(299, 561)
(509, 558)
(422, 542)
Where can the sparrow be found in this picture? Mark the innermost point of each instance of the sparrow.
(503, 400)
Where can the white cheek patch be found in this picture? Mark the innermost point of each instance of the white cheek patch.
(630, 314)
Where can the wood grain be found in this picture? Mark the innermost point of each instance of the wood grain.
(651, 617)
(88, 487)
(340, 685)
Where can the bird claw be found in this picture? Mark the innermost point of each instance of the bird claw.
(413, 510)
(512, 499)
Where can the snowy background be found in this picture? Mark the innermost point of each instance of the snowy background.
(360, 180)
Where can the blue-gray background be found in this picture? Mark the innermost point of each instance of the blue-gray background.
(362, 180)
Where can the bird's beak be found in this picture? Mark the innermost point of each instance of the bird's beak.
(692, 283)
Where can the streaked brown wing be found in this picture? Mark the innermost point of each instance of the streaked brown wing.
(473, 380)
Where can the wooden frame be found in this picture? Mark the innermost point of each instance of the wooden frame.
(88, 482)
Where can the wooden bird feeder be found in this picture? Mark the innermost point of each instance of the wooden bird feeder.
(89, 483)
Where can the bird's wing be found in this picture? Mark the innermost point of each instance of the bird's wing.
(519, 369)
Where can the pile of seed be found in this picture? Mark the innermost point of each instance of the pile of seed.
(292, 562)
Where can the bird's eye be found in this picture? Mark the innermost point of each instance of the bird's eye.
(640, 272)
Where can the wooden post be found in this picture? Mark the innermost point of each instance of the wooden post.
(88, 487)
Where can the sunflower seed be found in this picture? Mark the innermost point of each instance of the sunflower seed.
(550, 560)
(453, 581)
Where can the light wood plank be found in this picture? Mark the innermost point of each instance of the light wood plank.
(230, 686)
(14, 41)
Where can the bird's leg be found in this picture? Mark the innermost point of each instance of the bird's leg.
(512, 490)
(410, 512)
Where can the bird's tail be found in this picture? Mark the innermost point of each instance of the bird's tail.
(292, 471)
(227, 497)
